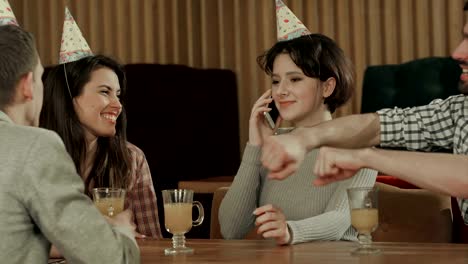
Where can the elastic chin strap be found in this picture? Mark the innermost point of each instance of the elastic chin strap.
(66, 81)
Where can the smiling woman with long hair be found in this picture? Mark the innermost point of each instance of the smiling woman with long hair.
(82, 103)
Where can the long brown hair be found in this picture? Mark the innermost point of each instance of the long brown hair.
(112, 161)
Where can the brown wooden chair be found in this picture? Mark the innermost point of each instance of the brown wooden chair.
(206, 185)
(413, 215)
(215, 229)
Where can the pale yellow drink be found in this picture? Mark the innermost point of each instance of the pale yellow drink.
(365, 220)
(110, 206)
(178, 217)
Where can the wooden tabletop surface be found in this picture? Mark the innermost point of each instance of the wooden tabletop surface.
(263, 251)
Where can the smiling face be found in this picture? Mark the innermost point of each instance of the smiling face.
(98, 106)
(461, 55)
(299, 98)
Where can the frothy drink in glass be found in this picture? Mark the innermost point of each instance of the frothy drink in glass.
(178, 217)
(109, 201)
(178, 205)
(110, 206)
(363, 206)
(365, 220)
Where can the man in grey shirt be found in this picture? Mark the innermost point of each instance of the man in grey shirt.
(41, 195)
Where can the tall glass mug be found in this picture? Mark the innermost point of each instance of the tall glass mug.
(109, 201)
(363, 205)
(178, 218)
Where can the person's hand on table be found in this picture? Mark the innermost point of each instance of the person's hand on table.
(271, 223)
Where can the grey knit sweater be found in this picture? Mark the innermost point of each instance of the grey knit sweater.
(312, 213)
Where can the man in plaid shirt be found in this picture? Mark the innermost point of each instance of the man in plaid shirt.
(442, 123)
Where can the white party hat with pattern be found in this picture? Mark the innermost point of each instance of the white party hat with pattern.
(288, 25)
(6, 14)
(74, 45)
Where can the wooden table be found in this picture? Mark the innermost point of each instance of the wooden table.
(262, 251)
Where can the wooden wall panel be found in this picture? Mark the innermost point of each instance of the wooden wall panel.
(423, 32)
(232, 33)
(358, 52)
(390, 32)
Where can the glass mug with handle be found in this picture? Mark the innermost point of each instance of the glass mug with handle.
(363, 204)
(178, 205)
(109, 201)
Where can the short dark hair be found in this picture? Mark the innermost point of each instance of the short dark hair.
(18, 56)
(318, 56)
(112, 162)
(465, 7)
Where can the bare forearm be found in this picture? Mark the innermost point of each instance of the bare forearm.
(446, 173)
(354, 131)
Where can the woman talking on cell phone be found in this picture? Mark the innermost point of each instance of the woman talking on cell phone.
(310, 78)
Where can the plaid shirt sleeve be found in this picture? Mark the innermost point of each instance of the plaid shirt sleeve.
(142, 197)
(442, 123)
(422, 127)
(463, 204)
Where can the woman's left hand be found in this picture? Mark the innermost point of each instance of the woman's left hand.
(271, 223)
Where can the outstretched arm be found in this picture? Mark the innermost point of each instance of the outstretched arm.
(445, 173)
(353, 131)
(283, 154)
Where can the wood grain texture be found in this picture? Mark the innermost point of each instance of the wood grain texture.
(263, 251)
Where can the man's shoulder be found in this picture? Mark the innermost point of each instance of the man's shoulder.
(456, 105)
(12, 134)
(457, 98)
(454, 101)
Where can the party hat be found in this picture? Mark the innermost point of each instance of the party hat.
(74, 45)
(288, 25)
(6, 14)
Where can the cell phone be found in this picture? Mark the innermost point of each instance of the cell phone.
(271, 116)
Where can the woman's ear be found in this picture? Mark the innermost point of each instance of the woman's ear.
(328, 87)
(75, 103)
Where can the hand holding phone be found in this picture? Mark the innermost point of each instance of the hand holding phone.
(272, 116)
